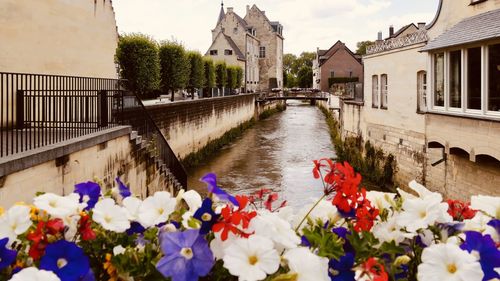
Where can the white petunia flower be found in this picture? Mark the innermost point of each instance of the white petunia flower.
(71, 222)
(16, 221)
(420, 213)
(251, 259)
(479, 223)
(306, 265)
(33, 274)
(118, 250)
(111, 216)
(192, 199)
(219, 247)
(443, 262)
(381, 200)
(324, 211)
(59, 206)
(156, 209)
(132, 205)
(390, 231)
(488, 204)
(270, 225)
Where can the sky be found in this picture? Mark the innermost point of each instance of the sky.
(308, 24)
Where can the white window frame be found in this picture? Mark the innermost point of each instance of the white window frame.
(463, 111)
(375, 92)
(384, 91)
(447, 81)
(422, 91)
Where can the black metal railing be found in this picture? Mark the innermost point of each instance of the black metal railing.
(134, 113)
(38, 110)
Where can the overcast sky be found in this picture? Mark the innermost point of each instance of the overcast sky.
(307, 23)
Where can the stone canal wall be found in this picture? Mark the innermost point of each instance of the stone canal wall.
(191, 125)
(100, 156)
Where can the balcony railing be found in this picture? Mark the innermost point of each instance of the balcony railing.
(38, 110)
(396, 43)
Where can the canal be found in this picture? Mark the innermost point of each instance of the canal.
(277, 154)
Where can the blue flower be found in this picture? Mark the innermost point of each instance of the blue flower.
(495, 224)
(122, 188)
(66, 260)
(489, 255)
(89, 193)
(342, 232)
(7, 256)
(135, 228)
(206, 215)
(186, 255)
(211, 180)
(341, 270)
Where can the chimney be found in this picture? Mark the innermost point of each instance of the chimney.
(230, 9)
(421, 25)
(379, 36)
(248, 8)
(391, 31)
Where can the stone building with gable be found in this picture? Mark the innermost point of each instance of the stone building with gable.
(254, 43)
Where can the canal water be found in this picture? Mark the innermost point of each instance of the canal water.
(276, 153)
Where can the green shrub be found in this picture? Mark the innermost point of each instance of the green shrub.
(174, 67)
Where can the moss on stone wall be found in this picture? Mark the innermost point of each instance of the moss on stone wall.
(271, 111)
(196, 158)
(372, 163)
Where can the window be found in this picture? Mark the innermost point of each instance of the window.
(235, 30)
(439, 79)
(332, 73)
(262, 52)
(494, 77)
(350, 73)
(383, 91)
(213, 52)
(228, 52)
(455, 96)
(474, 100)
(375, 91)
(421, 91)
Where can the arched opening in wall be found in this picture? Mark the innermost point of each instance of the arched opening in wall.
(434, 144)
(488, 161)
(459, 152)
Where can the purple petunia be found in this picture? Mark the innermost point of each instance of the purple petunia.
(186, 255)
(89, 193)
(66, 260)
(489, 255)
(211, 180)
(341, 270)
(7, 256)
(123, 189)
(206, 215)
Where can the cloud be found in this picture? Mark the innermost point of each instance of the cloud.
(307, 23)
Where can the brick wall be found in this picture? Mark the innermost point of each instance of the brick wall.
(342, 63)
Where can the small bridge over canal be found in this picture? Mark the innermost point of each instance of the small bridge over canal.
(313, 97)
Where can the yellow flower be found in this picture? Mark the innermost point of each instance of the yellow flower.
(1, 211)
(110, 268)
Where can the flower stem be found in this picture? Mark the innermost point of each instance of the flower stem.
(308, 213)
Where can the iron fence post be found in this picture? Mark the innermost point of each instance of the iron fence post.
(20, 110)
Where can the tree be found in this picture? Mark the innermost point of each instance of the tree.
(288, 61)
(362, 47)
(304, 60)
(220, 75)
(239, 77)
(305, 77)
(232, 79)
(174, 67)
(197, 72)
(209, 68)
(137, 55)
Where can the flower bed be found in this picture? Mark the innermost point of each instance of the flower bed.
(348, 234)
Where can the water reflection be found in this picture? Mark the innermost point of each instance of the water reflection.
(277, 153)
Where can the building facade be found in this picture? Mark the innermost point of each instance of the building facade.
(432, 99)
(337, 62)
(253, 42)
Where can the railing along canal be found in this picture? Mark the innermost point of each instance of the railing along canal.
(38, 110)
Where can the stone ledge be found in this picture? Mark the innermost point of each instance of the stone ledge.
(28, 159)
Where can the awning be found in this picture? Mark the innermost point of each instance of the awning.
(474, 29)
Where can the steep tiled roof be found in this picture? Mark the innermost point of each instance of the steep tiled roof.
(221, 14)
(241, 20)
(474, 29)
(235, 48)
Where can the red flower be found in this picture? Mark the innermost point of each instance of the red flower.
(374, 270)
(318, 165)
(460, 211)
(234, 221)
(39, 236)
(84, 227)
(366, 214)
(270, 199)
